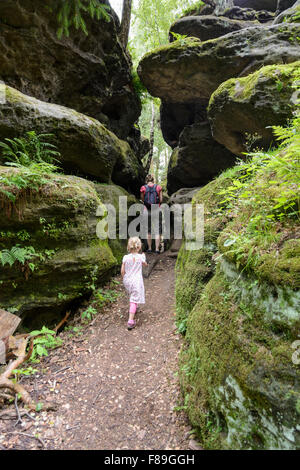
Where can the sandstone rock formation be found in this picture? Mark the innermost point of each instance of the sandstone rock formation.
(188, 70)
(242, 109)
(56, 226)
(86, 146)
(197, 159)
(240, 383)
(206, 27)
(91, 74)
(184, 75)
(289, 15)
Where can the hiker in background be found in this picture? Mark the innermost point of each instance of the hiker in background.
(132, 274)
(151, 195)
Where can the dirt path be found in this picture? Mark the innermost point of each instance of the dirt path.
(115, 389)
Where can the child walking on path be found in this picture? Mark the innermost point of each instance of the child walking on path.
(133, 277)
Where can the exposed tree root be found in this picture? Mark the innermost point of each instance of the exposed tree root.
(62, 322)
(17, 388)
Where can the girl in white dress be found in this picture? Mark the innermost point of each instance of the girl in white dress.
(133, 277)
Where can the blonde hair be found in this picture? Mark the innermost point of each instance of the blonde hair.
(149, 179)
(134, 245)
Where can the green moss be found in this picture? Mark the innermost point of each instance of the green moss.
(281, 78)
(119, 249)
(194, 9)
(224, 346)
(59, 220)
(240, 385)
(193, 270)
(175, 46)
(173, 159)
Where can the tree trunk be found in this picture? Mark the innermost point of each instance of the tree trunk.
(150, 156)
(125, 23)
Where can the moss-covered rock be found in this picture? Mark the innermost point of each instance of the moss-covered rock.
(290, 14)
(269, 5)
(198, 8)
(195, 268)
(248, 14)
(86, 146)
(284, 5)
(187, 70)
(206, 27)
(55, 225)
(90, 73)
(242, 110)
(174, 117)
(197, 159)
(238, 302)
(241, 385)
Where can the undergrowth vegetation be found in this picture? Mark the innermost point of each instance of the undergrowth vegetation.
(31, 159)
(264, 197)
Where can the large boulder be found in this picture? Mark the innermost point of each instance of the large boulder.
(221, 5)
(242, 110)
(197, 159)
(270, 5)
(91, 74)
(53, 219)
(284, 5)
(206, 27)
(291, 15)
(248, 14)
(188, 70)
(240, 309)
(86, 146)
(183, 196)
(198, 9)
(175, 116)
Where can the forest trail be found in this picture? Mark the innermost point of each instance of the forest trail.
(115, 389)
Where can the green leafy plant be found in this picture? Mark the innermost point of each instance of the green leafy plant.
(88, 314)
(33, 147)
(44, 339)
(71, 13)
(105, 296)
(33, 157)
(179, 37)
(14, 185)
(265, 192)
(74, 330)
(183, 407)
(194, 8)
(182, 326)
(24, 257)
(17, 254)
(278, 167)
(26, 372)
(39, 407)
(139, 87)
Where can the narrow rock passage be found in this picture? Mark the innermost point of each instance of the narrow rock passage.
(121, 386)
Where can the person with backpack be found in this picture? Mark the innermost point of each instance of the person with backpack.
(151, 195)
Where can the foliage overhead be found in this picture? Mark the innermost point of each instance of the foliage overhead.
(71, 13)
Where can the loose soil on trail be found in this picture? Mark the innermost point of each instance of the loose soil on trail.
(114, 389)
